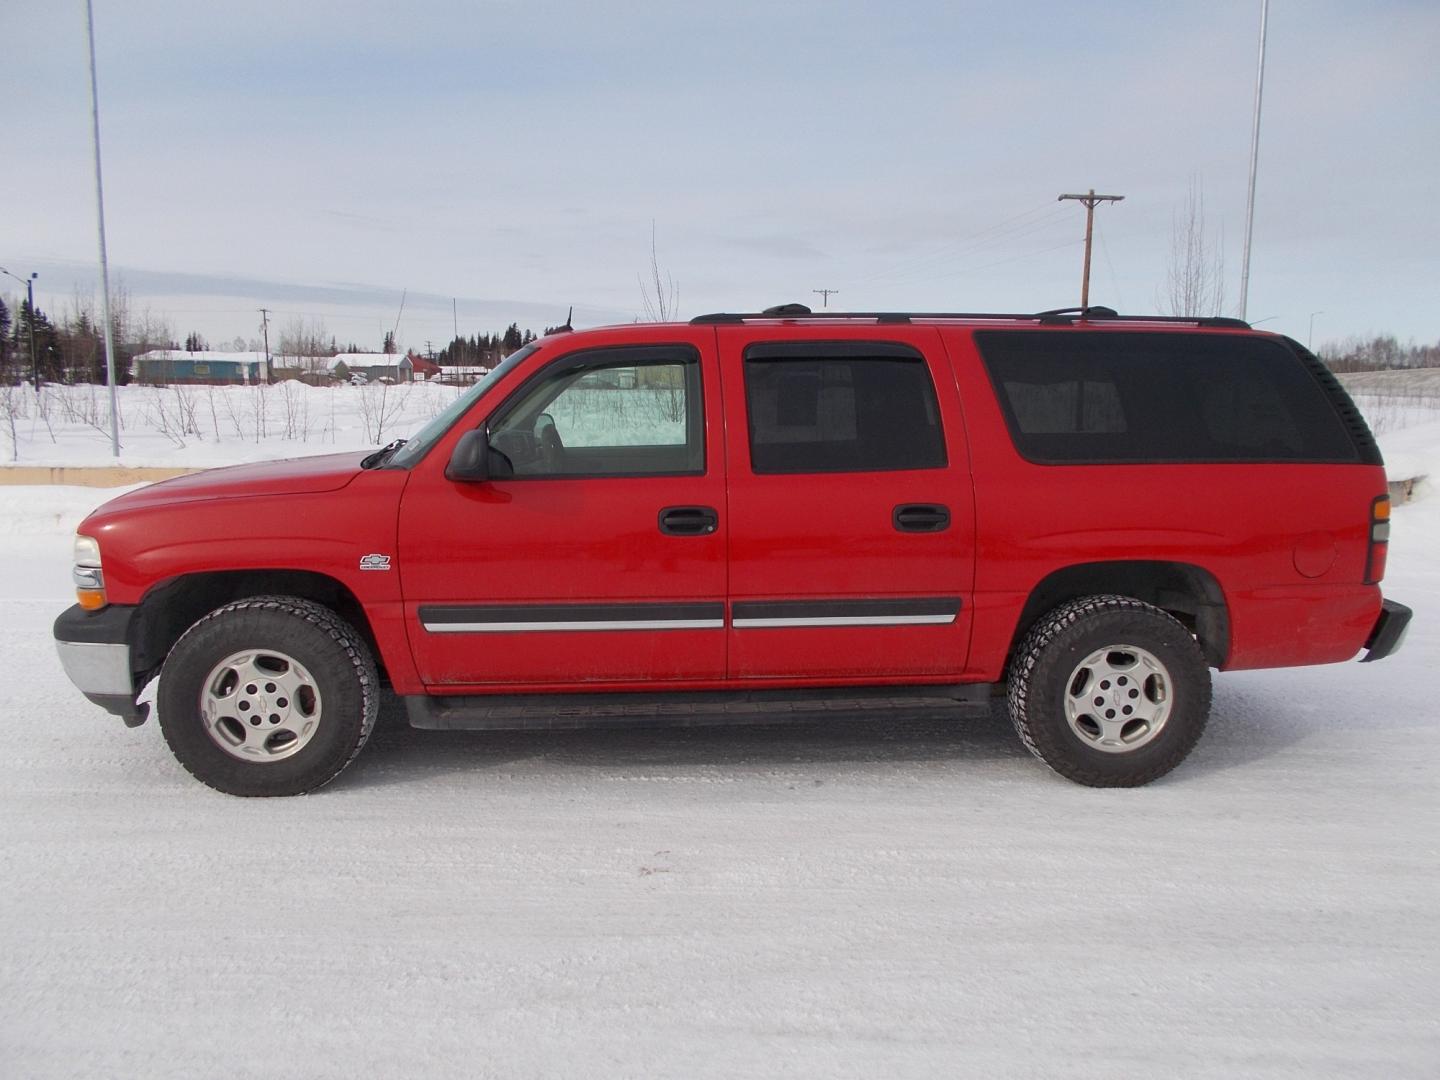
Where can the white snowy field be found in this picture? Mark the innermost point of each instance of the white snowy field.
(204, 426)
(872, 900)
(201, 426)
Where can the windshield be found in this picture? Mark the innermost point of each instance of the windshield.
(420, 443)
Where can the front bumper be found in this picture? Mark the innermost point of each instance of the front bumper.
(94, 649)
(1388, 634)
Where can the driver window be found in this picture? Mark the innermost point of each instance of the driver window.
(630, 412)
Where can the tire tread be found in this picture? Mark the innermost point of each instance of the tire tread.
(1038, 646)
(338, 630)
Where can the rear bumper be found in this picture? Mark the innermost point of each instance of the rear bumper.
(94, 649)
(1389, 631)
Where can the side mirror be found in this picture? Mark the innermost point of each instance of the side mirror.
(470, 461)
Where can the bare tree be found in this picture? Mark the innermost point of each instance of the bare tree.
(379, 409)
(304, 340)
(295, 405)
(1195, 280)
(12, 408)
(659, 294)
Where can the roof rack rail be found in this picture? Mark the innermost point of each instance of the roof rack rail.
(1056, 317)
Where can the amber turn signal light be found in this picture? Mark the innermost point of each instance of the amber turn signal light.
(90, 599)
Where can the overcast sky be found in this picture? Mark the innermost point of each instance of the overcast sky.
(321, 157)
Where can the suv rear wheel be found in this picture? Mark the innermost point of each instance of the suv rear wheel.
(1109, 691)
(270, 695)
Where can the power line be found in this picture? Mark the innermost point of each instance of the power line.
(825, 295)
(1011, 259)
(1012, 227)
(988, 246)
(1114, 279)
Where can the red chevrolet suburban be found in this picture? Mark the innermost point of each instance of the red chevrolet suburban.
(761, 517)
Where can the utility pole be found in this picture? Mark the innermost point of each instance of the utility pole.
(29, 284)
(100, 230)
(1090, 200)
(825, 295)
(454, 315)
(1254, 164)
(265, 329)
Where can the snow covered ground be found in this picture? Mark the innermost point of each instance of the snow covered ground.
(872, 900)
(201, 426)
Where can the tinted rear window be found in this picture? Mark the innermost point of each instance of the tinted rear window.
(841, 407)
(1076, 396)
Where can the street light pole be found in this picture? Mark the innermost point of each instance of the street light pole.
(104, 261)
(29, 284)
(1254, 163)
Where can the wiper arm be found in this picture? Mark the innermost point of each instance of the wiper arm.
(384, 454)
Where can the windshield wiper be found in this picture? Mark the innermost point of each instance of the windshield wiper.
(381, 456)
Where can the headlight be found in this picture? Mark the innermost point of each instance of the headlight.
(87, 551)
(89, 578)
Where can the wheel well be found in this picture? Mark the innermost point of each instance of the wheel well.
(1188, 592)
(168, 610)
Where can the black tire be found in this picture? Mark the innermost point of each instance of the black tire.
(1050, 665)
(330, 652)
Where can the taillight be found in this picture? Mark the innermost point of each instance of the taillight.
(1379, 539)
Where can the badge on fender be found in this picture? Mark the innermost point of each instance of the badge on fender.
(374, 562)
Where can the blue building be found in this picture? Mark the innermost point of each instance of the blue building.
(166, 366)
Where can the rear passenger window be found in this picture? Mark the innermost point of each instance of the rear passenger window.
(1103, 397)
(841, 407)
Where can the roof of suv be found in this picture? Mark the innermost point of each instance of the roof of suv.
(1057, 317)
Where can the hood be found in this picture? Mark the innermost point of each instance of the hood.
(292, 476)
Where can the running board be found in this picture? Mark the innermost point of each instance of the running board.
(551, 712)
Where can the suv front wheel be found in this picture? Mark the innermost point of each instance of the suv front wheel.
(1109, 691)
(270, 695)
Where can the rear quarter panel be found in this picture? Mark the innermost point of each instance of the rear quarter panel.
(1252, 527)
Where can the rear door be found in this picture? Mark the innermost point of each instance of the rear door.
(851, 517)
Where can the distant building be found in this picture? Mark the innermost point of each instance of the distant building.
(461, 375)
(376, 366)
(423, 367)
(162, 366)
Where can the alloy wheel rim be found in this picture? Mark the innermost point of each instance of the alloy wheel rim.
(1118, 699)
(260, 705)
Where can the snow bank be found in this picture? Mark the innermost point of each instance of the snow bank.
(1412, 452)
(204, 426)
(49, 511)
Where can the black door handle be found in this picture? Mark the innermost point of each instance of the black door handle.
(921, 517)
(689, 520)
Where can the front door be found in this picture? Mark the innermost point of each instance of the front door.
(851, 509)
(601, 558)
